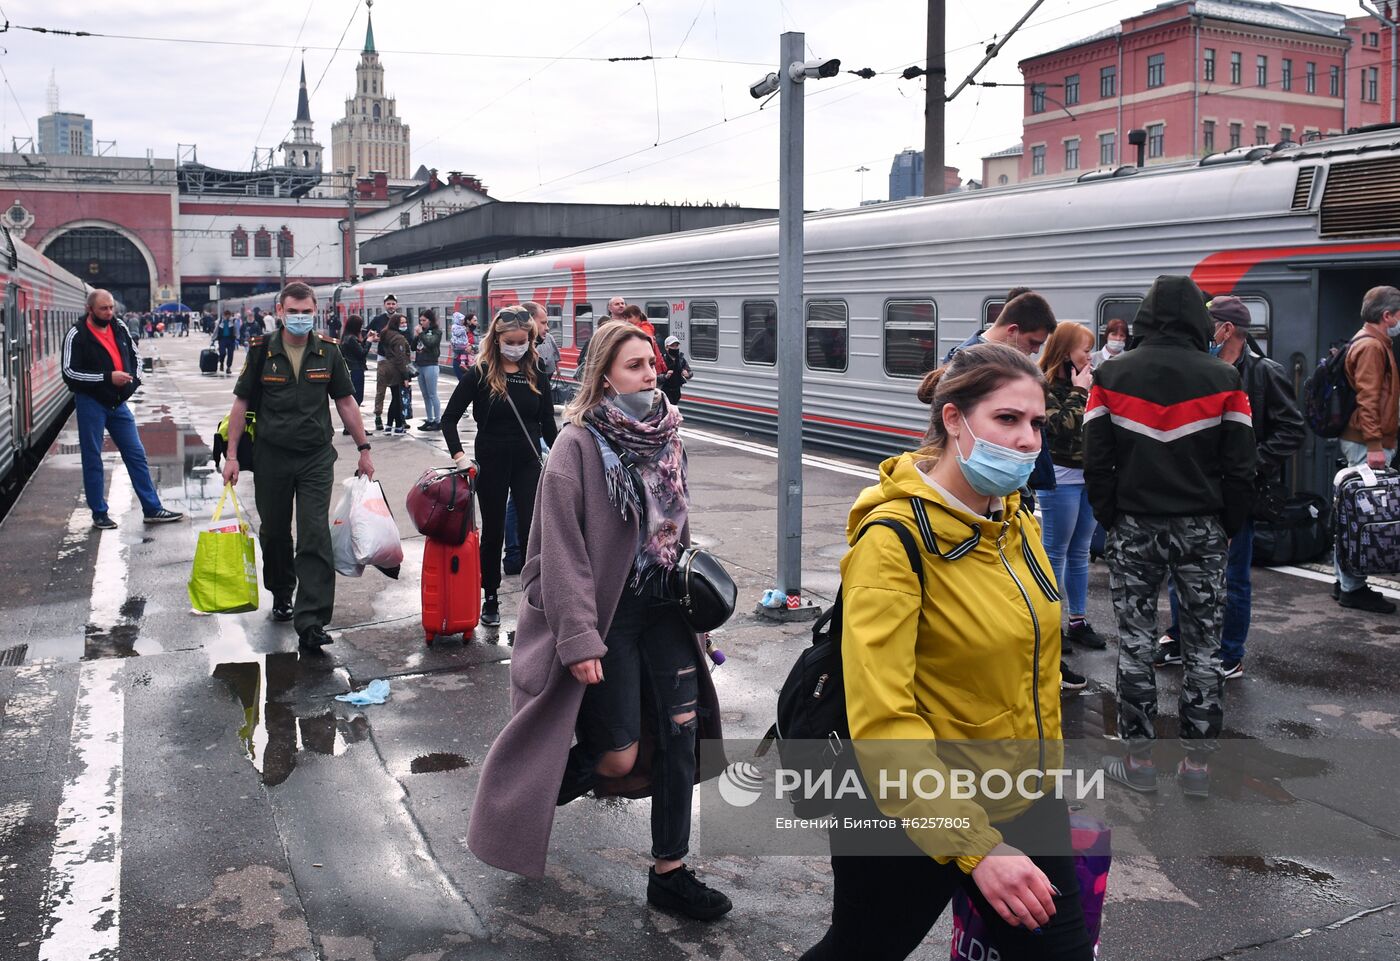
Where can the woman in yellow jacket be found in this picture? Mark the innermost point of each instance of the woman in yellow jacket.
(973, 655)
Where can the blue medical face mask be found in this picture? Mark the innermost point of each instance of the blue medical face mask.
(298, 325)
(1215, 349)
(993, 470)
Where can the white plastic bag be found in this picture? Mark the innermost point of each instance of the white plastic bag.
(374, 536)
(341, 540)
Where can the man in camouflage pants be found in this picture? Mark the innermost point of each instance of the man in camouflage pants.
(1169, 458)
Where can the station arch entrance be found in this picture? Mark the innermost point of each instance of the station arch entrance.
(104, 258)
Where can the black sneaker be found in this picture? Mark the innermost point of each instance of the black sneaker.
(379, 424)
(104, 522)
(1083, 634)
(164, 516)
(1229, 670)
(314, 638)
(491, 611)
(282, 610)
(1071, 680)
(682, 892)
(1141, 779)
(1194, 782)
(1366, 599)
(1168, 652)
(1336, 591)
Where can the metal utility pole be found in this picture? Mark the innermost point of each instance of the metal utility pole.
(791, 124)
(935, 99)
(352, 252)
(862, 170)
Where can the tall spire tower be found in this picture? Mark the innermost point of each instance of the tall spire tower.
(370, 137)
(302, 150)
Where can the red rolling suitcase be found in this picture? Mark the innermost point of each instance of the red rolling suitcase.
(451, 588)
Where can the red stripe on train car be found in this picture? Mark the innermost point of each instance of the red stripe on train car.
(814, 418)
(1220, 272)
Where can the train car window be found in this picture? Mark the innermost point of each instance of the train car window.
(1259, 326)
(554, 318)
(583, 324)
(760, 332)
(991, 310)
(704, 330)
(659, 313)
(911, 337)
(1123, 308)
(826, 335)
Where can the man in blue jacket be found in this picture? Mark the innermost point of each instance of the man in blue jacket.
(99, 366)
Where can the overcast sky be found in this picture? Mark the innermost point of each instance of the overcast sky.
(543, 128)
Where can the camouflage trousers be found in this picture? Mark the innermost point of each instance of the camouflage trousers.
(1142, 551)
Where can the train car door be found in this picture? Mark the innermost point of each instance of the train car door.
(17, 362)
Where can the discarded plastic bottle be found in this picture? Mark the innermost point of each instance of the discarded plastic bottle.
(716, 655)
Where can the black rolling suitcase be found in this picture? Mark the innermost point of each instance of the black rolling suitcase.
(1368, 521)
(208, 361)
(1301, 532)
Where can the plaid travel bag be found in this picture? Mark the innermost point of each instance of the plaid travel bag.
(1368, 521)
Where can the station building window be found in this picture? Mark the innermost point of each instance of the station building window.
(1156, 69)
(1208, 64)
(239, 243)
(1108, 82)
(911, 337)
(1108, 149)
(1261, 71)
(1072, 153)
(1370, 84)
(659, 313)
(1287, 80)
(1037, 98)
(760, 332)
(1236, 66)
(1261, 134)
(285, 244)
(1334, 80)
(1310, 77)
(1236, 131)
(704, 330)
(262, 243)
(1156, 140)
(826, 335)
(1208, 136)
(1071, 90)
(1286, 134)
(583, 324)
(1037, 160)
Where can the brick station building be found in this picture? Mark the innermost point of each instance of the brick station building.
(1201, 77)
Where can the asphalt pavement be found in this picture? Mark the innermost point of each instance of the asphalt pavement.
(181, 786)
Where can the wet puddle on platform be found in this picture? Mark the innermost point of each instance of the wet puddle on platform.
(435, 762)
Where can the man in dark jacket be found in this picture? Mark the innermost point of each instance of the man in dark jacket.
(99, 366)
(1278, 433)
(1169, 460)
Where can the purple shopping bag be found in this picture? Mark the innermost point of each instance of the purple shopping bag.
(1092, 841)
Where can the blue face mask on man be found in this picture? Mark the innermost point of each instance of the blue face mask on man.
(993, 470)
(298, 325)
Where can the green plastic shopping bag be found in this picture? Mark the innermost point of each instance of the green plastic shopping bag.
(225, 575)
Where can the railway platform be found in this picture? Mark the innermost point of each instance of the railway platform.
(178, 786)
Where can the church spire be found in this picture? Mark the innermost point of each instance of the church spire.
(369, 30)
(303, 105)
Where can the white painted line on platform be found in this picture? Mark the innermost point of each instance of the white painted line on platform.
(110, 573)
(808, 460)
(1330, 579)
(82, 898)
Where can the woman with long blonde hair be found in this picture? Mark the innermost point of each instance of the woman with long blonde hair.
(602, 653)
(513, 415)
(1069, 523)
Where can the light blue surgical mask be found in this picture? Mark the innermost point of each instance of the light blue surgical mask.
(993, 470)
(636, 405)
(1215, 349)
(298, 325)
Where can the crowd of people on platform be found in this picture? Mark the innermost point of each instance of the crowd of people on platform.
(1167, 438)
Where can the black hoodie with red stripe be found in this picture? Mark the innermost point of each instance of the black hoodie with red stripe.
(1167, 428)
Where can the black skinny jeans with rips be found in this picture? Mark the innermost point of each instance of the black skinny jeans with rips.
(650, 665)
(883, 907)
(507, 468)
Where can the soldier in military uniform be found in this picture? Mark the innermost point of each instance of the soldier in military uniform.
(287, 378)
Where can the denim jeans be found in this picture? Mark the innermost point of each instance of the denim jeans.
(512, 557)
(95, 419)
(428, 381)
(1234, 626)
(649, 644)
(1355, 454)
(1068, 528)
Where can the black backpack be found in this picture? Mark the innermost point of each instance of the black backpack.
(1328, 397)
(812, 730)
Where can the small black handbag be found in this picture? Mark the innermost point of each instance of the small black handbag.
(703, 588)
